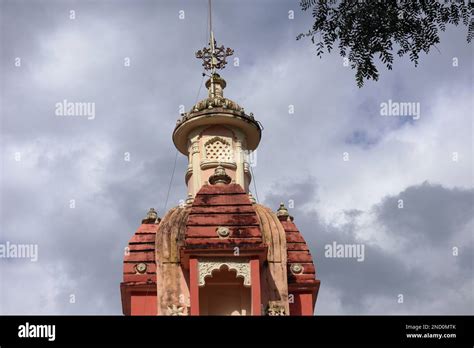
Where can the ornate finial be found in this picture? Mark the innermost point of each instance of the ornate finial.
(216, 85)
(151, 217)
(282, 211)
(214, 58)
(219, 176)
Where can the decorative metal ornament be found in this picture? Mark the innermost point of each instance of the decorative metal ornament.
(214, 57)
(223, 232)
(141, 268)
(296, 268)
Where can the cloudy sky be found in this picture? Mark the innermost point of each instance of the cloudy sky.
(336, 160)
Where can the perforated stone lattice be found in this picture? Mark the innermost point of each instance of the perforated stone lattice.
(219, 151)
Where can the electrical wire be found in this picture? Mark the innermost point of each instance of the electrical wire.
(254, 183)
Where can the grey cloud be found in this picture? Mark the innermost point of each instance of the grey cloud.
(430, 213)
(81, 249)
(439, 216)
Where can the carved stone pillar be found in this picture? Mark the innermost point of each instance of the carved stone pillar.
(239, 159)
(195, 159)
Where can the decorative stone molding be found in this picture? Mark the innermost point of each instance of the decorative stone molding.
(206, 267)
(141, 268)
(296, 268)
(219, 176)
(223, 232)
(275, 308)
(206, 164)
(195, 148)
(210, 103)
(175, 310)
(216, 97)
(214, 139)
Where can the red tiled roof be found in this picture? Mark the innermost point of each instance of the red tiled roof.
(218, 206)
(222, 206)
(298, 252)
(141, 249)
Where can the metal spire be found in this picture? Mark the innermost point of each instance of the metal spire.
(214, 57)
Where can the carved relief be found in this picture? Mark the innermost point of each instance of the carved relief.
(275, 309)
(175, 310)
(241, 267)
(195, 147)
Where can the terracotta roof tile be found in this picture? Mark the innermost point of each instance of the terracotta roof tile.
(298, 252)
(225, 206)
(141, 249)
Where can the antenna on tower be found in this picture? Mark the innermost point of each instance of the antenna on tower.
(212, 41)
(210, 20)
(213, 56)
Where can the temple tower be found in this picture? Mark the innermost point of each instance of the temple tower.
(216, 131)
(221, 253)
